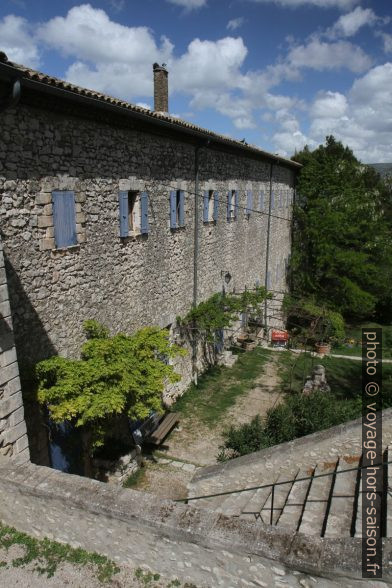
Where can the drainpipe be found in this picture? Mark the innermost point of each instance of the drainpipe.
(267, 252)
(195, 260)
(196, 253)
(13, 98)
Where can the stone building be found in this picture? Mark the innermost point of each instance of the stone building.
(129, 216)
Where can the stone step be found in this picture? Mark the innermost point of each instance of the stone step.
(358, 520)
(292, 512)
(316, 503)
(255, 503)
(280, 495)
(389, 492)
(341, 509)
(234, 503)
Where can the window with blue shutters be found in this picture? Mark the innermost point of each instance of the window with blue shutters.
(236, 197)
(210, 206)
(249, 202)
(272, 200)
(261, 200)
(64, 219)
(216, 207)
(230, 205)
(133, 209)
(177, 209)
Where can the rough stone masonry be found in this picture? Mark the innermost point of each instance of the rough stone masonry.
(60, 140)
(13, 434)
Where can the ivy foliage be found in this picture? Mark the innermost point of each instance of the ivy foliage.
(221, 310)
(122, 374)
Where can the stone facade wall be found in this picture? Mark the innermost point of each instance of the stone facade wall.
(125, 283)
(13, 434)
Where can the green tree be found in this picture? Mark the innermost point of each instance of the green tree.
(119, 375)
(342, 245)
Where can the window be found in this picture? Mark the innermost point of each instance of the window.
(210, 206)
(177, 209)
(232, 204)
(261, 200)
(249, 202)
(64, 219)
(133, 213)
(272, 200)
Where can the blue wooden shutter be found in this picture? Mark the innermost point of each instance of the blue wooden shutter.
(272, 200)
(216, 205)
(64, 219)
(181, 211)
(144, 227)
(261, 200)
(123, 207)
(249, 201)
(173, 211)
(236, 203)
(229, 196)
(281, 199)
(206, 204)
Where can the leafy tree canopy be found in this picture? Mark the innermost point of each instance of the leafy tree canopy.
(342, 246)
(123, 374)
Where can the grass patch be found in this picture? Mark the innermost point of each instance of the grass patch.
(219, 387)
(47, 555)
(355, 332)
(343, 375)
(300, 415)
(135, 479)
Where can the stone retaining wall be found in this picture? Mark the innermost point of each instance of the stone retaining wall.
(13, 436)
(175, 540)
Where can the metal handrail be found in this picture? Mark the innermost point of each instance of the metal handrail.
(186, 500)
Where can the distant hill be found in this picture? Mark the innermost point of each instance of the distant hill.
(384, 169)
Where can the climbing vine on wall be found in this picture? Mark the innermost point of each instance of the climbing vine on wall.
(221, 311)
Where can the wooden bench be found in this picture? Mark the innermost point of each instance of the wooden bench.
(165, 426)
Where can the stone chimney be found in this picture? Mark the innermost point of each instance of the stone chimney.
(161, 93)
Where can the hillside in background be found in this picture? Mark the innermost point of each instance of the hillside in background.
(384, 169)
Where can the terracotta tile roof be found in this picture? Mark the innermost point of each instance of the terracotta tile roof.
(177, 123)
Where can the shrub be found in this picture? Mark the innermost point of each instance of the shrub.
(297, 416)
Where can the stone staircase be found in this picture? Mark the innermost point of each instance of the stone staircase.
(304, 499)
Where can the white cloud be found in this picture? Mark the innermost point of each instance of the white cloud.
(387, 39)
(17, 41)
(144, 105)
(117, 5)
(349, 24)
(189, 4)
(321, 56)
(109, 56)
(329, 105)
(210, 64)
(341, 4)
(362, 119)
(235, 23)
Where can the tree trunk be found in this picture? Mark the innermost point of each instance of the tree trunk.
(88, 469)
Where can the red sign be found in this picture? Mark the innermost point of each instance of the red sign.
(279, 335)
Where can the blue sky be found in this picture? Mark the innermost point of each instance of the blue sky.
(279, 73)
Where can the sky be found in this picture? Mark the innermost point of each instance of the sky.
(278, 73)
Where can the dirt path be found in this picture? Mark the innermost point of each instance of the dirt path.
(195, 444)
(199, 444)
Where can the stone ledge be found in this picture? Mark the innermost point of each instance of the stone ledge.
(285, 448)
(46, 492)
